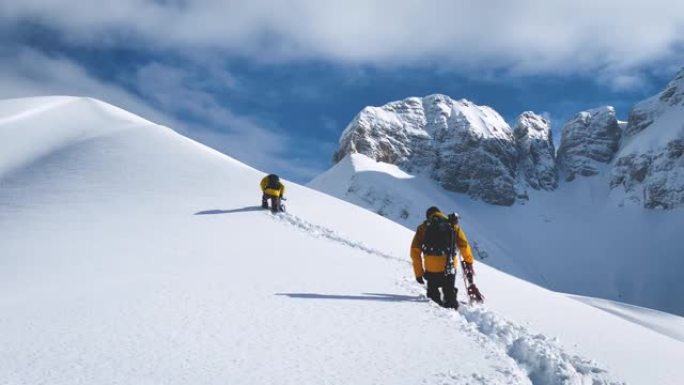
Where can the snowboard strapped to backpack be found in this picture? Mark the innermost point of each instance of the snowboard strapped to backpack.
(273, 182)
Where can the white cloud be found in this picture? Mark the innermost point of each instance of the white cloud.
(626, 82)
(525, 36)
(612, 40)
(167, 93)
(25, 72)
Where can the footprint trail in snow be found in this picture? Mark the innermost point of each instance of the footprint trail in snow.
(543, 359)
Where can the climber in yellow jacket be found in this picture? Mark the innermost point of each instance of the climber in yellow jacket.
(431, 250)
(273, 189)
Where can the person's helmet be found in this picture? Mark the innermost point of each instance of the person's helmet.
(454, 218)
(431, 211)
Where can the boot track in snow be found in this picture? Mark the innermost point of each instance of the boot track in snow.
(543, 360)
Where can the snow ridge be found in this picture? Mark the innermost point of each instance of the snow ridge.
(542, 360)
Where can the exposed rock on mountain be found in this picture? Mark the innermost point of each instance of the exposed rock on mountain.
(650, 166)
(588, 142)
(471, 149)
(466, 147)
(536, 152)
(643, 114)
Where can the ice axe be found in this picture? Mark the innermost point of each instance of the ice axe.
(473, 292)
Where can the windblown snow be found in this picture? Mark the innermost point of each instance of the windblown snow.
(130, 254)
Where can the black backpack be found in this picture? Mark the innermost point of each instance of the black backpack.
(439, 236)
(273, 182)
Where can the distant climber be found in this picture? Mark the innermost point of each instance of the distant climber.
(433, 252)
(272, 189)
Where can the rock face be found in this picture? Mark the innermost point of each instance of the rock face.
(589, 141)
(536, 152)
(650, 166)
(644, 114)
(466, 147)
(471, 149)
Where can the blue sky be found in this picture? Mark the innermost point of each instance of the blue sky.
(274, 83)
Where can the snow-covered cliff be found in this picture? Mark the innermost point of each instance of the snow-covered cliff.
(649, 168)
(589, 141)
(536, 152)
(465, 147)
(470, 149)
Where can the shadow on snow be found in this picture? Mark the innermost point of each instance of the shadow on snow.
(240, 210)
(362, 297)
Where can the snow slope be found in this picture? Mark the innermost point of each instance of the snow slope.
(130, 254)
(572, 240)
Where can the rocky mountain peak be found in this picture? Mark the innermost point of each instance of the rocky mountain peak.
(644, 113)
(673, 94)
(532, 125)
(649, 168)
(536, 152)
(588, 142)
(470, 149)
(465, 147)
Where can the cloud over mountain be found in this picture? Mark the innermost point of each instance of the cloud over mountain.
(522, 36)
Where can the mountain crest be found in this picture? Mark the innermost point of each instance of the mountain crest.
(470, 149)
(536, 152)
(589, 141)
(674, 91)
(649, 168)
(466, 147)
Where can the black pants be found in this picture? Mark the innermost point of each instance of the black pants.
(447, 283)
(275, 202)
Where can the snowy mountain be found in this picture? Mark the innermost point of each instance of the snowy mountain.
(465, 147)
(130, 254)
(649, 168)
(589, 142)
(536, 152)
(470, 149)
(571, 230)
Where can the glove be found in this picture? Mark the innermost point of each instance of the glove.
(420, 280)
(468, 271)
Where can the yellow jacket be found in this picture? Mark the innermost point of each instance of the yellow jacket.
(437, 263)
(272, 192)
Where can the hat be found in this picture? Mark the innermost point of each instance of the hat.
(431, 211)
